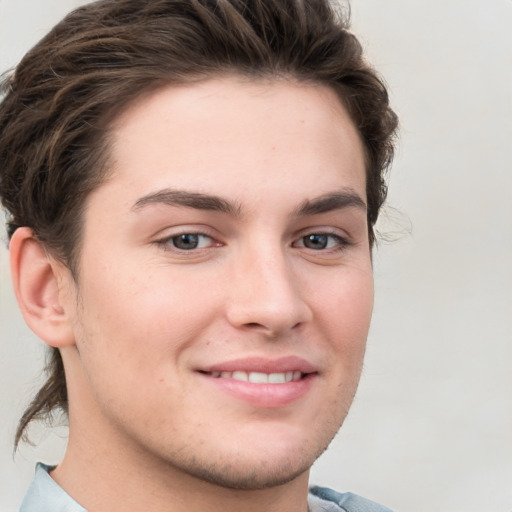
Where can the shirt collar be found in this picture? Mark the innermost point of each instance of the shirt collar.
(45, 494)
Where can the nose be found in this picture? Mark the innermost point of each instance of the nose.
(266, 296)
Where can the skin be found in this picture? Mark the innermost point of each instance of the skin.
(282, 272)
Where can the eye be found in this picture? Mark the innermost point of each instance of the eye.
(190, 241)
(321, 241)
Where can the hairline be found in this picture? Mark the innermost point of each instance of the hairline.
(106, 165)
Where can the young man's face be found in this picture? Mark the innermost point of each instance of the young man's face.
(225, 283)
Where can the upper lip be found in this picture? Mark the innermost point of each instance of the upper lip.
(262, 364)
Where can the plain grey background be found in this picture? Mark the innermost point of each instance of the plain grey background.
(431, 426)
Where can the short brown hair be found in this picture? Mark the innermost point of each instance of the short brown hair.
(62, 97)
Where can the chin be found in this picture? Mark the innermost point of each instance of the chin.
(250, 477)
(255, 466)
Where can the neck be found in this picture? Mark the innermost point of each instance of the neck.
(102, 480)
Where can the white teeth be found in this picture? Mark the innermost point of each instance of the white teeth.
(260, 377)
(240, 376)
(277, 378)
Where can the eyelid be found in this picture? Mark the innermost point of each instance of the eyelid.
(343, 240)
(165, 236)
(323, 230)
(183, 229)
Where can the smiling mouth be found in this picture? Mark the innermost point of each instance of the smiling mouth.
(263, 383)
(259, 377)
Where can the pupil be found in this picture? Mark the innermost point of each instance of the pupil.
(315, 241)
(186, 241)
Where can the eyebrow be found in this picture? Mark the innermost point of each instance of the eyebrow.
(195, 200)
(346, 198)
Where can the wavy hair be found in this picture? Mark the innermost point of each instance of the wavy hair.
(60, 101)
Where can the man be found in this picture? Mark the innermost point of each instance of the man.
(191, 189)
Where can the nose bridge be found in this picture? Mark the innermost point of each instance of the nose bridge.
(267, 295)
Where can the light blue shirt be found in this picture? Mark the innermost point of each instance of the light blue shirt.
(45, 495)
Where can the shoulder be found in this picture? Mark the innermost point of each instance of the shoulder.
(346, 501)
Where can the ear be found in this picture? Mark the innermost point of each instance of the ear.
(38, 284)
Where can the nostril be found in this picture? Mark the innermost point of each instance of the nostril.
(254, 324)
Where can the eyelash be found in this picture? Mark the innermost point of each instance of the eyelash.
(168, 242)
(340, 243)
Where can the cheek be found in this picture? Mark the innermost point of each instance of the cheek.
(345, 314)
(141, 319)
(130, 332)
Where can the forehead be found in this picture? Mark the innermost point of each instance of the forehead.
(239, 135)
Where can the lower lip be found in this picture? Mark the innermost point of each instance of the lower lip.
(263, 395)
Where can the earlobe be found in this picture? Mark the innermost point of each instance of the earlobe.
(37, 281)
